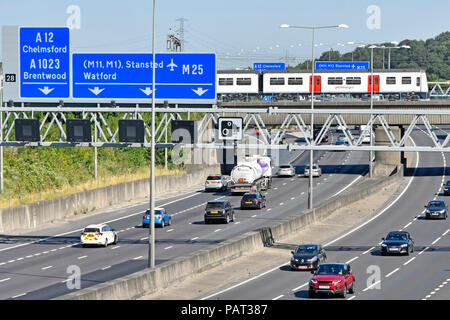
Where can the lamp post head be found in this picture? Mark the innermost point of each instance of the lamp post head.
(343, 26)
(394, 43)
(406, 47)
(284, 26)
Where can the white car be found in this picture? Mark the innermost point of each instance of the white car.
(286, 170)
(98, 234)
(216, 182)
(317, 171)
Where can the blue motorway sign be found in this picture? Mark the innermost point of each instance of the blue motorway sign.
(44, 54)
(179, 76)
(342, 65)
(268, 66)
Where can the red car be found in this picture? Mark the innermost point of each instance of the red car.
(332, 278)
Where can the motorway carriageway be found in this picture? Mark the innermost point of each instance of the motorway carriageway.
(34, 266)
(423, 275)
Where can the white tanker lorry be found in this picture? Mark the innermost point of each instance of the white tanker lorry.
(254, 174)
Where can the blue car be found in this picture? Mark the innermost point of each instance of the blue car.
(341, 139)
(162, 218)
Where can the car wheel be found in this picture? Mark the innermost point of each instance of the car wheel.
(232, 217)
(106, 243)
(162, 223)
(115, 240)
(170, 221)
(352, 288)
(83, 245)
(227, 220)
(344, 292)
(311, 294)
(407, 251)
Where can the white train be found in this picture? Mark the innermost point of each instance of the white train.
(296, 84)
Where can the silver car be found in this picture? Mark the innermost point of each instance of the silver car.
(216, 182)
(286, 170)
(316, 171)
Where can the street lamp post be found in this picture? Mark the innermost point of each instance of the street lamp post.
(311, 153)
(151, 226)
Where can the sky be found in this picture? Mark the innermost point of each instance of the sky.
(239, 32)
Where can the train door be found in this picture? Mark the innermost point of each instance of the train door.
(317, 84)
(376, 86)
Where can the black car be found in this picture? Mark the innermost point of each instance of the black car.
(316, 134)
(219, 210)
(399, 242)
(436, 209)
(253, 200)
(447, 188)
(307, 256)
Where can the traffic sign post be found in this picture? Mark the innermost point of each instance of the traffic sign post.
(230, 128)
(342, 65)
(44, 55)
(179, 76)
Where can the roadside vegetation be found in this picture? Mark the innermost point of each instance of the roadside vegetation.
(432, 55)
(40, 173)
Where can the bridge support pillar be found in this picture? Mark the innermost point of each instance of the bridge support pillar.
(386, 161)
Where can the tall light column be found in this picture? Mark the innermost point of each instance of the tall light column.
(151, 227)
(311, 153)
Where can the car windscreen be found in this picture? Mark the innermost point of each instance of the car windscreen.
(307, 250)
(91, 230)
(396, 236)
(436, 204)
(213, 178)
(330, 269)
(249, 197)
(285, 166)
(214, 205)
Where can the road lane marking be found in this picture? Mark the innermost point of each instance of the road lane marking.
(167, 248)
(82, 257)
(409, 261)
(280, 296)
(424, 250)
(352, 260)
(373, 284)
(254, 215)
(105, 268)
(170, 230)
(137, 258)
(305, 284)
(392, 272)
(19, 295)
(439, 238)
(194, 238)
(6, 279)
(217, 230)
(368, 250)
(116, 247)
(45, 268)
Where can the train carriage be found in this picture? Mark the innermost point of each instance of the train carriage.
(296, 84)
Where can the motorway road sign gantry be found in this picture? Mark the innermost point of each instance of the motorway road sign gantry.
(342, 65)
(179, 76)
(40, 67)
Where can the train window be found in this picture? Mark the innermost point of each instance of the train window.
(244, 81)
(353, 80)
(418, 81)
(390, 80)
(225, 81)
(277, 81)
(337, 80)
(295, 81)
(406, 80)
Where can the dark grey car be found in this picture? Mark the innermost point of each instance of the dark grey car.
(307, 256)
(436, 209)
(219, 210)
